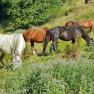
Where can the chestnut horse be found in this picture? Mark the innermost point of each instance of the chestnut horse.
(70, 23)
(87, 24)
(35, 35)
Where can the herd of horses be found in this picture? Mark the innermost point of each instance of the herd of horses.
(15, 43)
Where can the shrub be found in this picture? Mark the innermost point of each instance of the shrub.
(58, 78)
(27, 13)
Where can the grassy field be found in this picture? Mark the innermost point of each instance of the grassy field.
(68, 71)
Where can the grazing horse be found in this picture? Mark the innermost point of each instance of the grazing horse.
(87, 24)
(66, 34)
(14, 44)
(35, 35)
(70, 23)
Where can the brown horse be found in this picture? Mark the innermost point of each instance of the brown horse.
(87, 24)
(70, 23)
(35, 35)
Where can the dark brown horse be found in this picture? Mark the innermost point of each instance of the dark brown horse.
(35, 35)
(66, 34)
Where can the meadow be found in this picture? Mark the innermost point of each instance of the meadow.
(70, 70)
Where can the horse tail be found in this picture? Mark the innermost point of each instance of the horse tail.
(46, 40)
(24, 33)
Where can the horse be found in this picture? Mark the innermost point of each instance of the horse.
(87, 24)
(66, 34)
(12, 44)
(35, 35)
(70, 23)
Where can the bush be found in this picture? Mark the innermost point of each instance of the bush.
(27, 13)
(58, 78)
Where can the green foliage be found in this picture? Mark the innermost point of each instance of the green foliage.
(50, 74)
(27, 13)
(58, 78)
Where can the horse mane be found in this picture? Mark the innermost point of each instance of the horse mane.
(35, 29)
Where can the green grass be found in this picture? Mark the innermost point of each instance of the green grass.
(51, 74)
(58, 77)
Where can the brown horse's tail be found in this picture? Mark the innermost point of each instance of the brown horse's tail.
(46, 40)
(86, 37)
(24, 35)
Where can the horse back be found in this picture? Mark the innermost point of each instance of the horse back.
(86, 23)
(35, 34)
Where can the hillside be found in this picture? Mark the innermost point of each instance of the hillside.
(75, 12)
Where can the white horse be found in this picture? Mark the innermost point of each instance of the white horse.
(14, 44)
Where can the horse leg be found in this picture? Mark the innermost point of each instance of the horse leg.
(73, 41)
(32, 46)
(91, 29)
(44, 47)
(53, 46)
(1, 59)
(46, 40)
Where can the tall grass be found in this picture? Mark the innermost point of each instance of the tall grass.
(72, 77)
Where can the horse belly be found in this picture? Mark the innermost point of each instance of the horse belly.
(38, 38)
(66, 37)
(86, 24)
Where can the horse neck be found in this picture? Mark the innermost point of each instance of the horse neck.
(85, 35)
